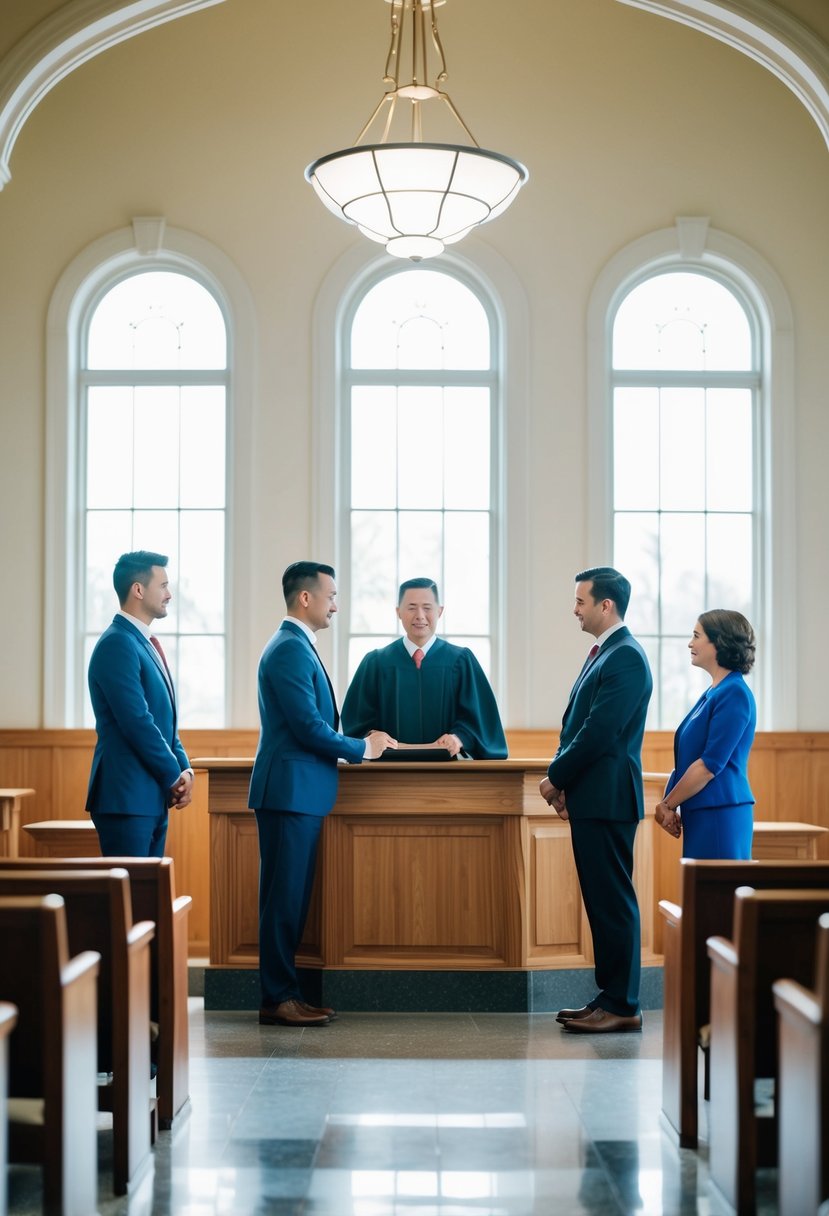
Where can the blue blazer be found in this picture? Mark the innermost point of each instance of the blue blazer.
(295, 768)
(599, 760)
(138, 756)
(719, 730)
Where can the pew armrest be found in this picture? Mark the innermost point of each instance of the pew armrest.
(79, 966)
(797, 1003)
(669, 910)
(141, 934)
(721, 951)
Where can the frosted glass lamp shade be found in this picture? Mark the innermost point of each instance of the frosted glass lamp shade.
(415, 198)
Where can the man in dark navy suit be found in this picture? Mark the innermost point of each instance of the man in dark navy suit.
(595, 781)
(139, 768)
(294, 783)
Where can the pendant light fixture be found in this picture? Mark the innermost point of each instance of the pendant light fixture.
(412, 196)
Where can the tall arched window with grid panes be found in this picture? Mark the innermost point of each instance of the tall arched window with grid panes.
(153, 440)
(420, 475)
(686, 467)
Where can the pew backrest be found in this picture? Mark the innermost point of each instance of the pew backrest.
(98, 917)
(775, 936)
(35, 972)
(707, 894)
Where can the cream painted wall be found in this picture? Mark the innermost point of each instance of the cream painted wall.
(625, 121)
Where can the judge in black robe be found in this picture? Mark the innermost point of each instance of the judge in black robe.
(443, 698)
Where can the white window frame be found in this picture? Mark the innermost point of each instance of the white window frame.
(692, 245)
(494, 283)
(147, 245)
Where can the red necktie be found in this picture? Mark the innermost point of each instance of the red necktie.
(418, 658)
(593, 651)
(154, 642)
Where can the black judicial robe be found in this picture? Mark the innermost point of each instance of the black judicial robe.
(448, 695)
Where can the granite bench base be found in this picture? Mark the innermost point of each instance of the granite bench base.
(426, 991)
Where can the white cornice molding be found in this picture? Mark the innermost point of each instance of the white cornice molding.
(76, 32)
(766, 33)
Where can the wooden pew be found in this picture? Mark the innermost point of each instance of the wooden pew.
(99, 917)
(8, 1021)
(775, 934)
(152, 885)
(707, 894)
(53, 1065)
(803, 1092)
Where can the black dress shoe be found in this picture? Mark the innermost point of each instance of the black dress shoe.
(329, 1013)
(291, 1013)
(602, 1022)
(572, 1015)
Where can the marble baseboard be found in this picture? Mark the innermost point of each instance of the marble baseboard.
(426, 991)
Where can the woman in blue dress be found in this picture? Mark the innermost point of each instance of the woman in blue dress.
(708, 800)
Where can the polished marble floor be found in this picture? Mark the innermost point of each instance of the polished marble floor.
(415, 1115)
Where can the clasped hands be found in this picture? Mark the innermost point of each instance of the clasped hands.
(554, 797)
(181, 794)
(669, 819)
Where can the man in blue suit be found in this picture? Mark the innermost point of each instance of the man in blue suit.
(294, 784)
(139, 768)
(595, 781)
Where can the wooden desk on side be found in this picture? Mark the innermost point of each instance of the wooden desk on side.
(10, 820)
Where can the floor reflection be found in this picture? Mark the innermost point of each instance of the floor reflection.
(414, 1115)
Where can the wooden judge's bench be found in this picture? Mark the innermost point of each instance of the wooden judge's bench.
(430, 866)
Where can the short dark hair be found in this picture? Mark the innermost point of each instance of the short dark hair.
(608, 584)
(417, 584)
(301, 575)
(135, 567)
(732, 637)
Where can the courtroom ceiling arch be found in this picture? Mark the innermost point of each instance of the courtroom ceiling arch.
(81, 29)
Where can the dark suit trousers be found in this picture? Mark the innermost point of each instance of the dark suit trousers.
(603, 849)
(287, 860)
(131, 835)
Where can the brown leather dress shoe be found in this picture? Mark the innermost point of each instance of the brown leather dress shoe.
(291, 1013)
(573, 1015)
(329, 1013)
(602, 1022)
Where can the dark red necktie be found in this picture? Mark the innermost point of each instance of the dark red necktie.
(154, 642)
(593, 651)
(418, 658)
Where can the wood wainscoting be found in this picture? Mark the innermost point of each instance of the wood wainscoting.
(789, 773)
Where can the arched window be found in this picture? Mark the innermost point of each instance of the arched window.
(685, 381)
(153, 425)
(691, 444)
(151, 334)
(420, 419)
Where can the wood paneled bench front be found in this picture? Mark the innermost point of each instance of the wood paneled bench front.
(99, 917)
(775, 934)
(53, 1065)
(153, 893)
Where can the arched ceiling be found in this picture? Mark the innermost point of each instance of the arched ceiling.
(61, 41)
(767, 33)
(66, 35)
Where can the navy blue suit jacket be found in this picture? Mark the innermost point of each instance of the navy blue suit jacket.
(138, 756)
(296, 761)
(599, 760)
